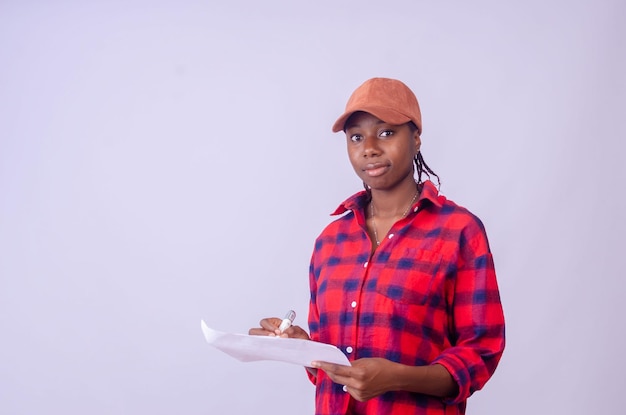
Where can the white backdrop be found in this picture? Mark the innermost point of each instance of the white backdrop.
(163, 162)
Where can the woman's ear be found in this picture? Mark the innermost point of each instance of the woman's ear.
(418, 141)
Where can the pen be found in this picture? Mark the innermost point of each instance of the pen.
(287, 321)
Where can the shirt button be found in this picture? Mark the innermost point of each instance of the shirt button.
(353, 304)
(390, 236)
(416, 209)
(365, 265)
(345, 388)
(349, 349)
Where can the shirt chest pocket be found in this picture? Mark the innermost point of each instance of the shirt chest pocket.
(410, 276)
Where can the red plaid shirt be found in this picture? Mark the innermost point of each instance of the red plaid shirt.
(427, 295)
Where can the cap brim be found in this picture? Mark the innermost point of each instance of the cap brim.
(385, 114)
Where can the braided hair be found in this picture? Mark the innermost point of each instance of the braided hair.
(420, 165)
(422, 168)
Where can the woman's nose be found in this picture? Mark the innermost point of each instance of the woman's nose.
(370, 147)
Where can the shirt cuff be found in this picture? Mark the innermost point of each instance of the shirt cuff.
(457, 370)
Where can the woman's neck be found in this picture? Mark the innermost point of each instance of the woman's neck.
(394, 203)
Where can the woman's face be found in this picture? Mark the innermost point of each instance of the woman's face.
(381, 154)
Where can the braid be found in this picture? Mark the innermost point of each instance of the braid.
(368, 190)
(422, 167)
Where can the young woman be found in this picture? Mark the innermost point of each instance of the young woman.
(404, 282)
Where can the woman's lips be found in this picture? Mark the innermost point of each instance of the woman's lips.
(375, 170)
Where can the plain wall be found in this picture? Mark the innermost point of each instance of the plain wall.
(163, 162)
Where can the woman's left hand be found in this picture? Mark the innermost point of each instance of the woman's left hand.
(365, 379)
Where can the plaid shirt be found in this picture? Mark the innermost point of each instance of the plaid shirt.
(428, 294)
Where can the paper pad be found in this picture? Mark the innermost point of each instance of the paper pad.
(252, 348)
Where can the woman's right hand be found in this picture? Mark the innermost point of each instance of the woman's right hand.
(269, 327)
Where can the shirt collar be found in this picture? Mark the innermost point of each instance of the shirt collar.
(356, 201)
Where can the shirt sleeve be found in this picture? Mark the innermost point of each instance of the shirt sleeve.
(477, 319)
(314, 317)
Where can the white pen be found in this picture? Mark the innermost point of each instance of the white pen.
(287, 321)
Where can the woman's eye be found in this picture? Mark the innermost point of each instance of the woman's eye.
(386, 133)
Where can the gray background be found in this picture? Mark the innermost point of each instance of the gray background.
(164, 162)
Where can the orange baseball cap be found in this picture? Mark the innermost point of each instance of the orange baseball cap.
(387, 99)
